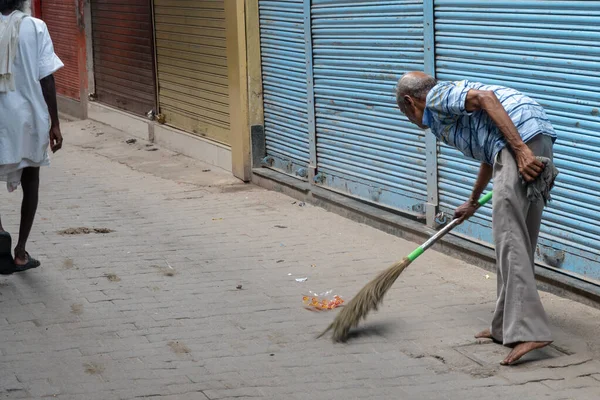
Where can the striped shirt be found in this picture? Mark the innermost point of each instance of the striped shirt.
(474, 133)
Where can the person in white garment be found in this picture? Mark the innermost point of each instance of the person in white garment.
(29, 122)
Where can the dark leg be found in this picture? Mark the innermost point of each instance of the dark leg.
(30, 182)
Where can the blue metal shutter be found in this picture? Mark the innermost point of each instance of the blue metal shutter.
(365, 148)
(284, 85)
(548, 50)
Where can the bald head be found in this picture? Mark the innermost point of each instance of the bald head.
(415, 85)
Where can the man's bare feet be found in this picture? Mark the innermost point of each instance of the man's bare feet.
(521, 349)
(485, 334)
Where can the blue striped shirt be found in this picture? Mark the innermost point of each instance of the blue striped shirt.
(475, 134)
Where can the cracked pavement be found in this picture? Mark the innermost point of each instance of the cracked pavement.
(175, 281)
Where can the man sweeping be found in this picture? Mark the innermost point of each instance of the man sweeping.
(28, 119)
(509, 133)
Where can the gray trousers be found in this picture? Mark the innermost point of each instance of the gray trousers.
(519, 314)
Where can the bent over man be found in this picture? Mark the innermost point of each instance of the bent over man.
(507, 132)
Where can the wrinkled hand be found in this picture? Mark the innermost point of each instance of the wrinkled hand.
(529, 166)
(465, 211)
(56, 139)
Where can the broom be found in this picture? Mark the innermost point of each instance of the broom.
(372, 294)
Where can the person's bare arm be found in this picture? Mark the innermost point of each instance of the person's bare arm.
(486, 100)
(49, 91)
(465, 211)
(484, 177)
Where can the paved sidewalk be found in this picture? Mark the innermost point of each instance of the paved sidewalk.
(151, 309)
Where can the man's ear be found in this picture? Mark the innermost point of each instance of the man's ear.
(409, 101)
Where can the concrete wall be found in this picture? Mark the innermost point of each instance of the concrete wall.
(174, 139)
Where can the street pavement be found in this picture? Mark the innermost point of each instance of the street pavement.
(163, 277)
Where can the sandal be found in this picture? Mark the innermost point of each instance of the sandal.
(31, 263)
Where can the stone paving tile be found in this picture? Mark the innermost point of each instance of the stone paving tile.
(151, 308)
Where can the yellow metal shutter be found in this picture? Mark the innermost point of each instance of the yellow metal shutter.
(192, 66)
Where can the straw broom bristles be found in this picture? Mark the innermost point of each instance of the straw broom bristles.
(366, 300)
(371, 295)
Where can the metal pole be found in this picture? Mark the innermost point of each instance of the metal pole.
(310, 92)
(431, 145)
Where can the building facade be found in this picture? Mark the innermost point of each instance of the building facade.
(165, 62)
(312, 82)
(329, 69)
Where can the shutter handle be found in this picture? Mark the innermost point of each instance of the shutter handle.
(302, 172)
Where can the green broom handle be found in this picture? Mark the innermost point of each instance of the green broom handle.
(421, 249)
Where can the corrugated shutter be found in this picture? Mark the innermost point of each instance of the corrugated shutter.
(364, 147)
(61, 18)
(548, 50)
(192, 66)
(123, 54)
(284, 84)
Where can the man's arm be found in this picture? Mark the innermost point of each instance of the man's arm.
(484, 177)
(49, 91)
(486, 100)
(465, 211)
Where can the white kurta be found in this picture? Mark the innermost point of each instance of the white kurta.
(24, 117)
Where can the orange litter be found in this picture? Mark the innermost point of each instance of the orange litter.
(322, 301)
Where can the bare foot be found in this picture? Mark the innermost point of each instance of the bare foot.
(521, 349)
(485, 334)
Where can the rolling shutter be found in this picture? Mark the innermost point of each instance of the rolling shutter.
(61, 18)
(365, 148)
(123, 54)
(283, 55)
(192, 66)
(548, 50)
